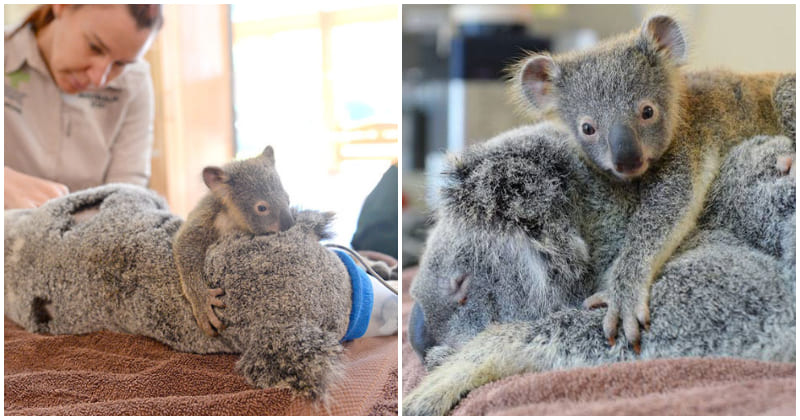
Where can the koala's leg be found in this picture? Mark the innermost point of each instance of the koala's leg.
(672, 199)
(565, 339)
(299, 356)
(719, 299)
(189, 249)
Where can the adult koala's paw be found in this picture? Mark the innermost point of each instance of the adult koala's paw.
(436, 395)
(436, 355)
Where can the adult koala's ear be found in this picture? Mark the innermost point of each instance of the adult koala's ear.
(536, 76)
(667, 35)
(455, 289)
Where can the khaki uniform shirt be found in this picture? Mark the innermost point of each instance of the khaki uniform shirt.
(82, 140)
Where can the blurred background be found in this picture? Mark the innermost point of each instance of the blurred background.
(454, 57)
(319, 84)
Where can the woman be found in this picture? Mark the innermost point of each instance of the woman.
(78, 100)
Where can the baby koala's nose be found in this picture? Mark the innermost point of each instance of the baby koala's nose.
(286, 219)
(630, 166)
(626, 152)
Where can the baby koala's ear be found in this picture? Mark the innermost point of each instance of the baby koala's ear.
(667, 35)
(268, 155)
(214, 177)
(536, 76)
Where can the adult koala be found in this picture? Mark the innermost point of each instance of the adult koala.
(102, 258)
(523, 231)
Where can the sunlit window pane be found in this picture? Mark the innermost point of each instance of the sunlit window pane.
(364, 91)
(333, 122)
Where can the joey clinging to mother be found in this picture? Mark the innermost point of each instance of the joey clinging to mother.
(245, 196)
(638, 117)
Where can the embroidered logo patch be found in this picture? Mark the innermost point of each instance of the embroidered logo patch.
(17, 77)
(99, 100)
(13, 97)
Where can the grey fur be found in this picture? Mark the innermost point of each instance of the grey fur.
(522, 218)
(287, 297)
(245, 196)
(727, 291)
(640, 119)
(786, 101)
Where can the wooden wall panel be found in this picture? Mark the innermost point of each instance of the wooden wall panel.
(191, 65)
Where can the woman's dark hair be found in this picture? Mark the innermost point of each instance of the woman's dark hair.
(147, 16)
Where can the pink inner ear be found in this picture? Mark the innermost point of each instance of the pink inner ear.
(668, 36)
(213, 176)
(537, 80)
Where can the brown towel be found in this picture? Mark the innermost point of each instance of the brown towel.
(106, 373)
(687, 386)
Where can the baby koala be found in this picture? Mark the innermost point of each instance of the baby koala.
(640, 119)
(245, 196)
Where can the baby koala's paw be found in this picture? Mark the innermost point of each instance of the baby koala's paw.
(785, 165)
(633, 313)
(205, 316)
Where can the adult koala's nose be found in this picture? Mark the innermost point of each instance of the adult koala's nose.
(626, 150)
(417, 333)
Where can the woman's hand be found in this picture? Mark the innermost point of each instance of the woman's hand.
(25, 191)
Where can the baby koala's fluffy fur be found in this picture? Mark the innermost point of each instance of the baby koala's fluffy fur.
(102, 259)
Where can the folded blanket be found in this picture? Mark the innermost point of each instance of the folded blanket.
(105, 373)
(685, 386)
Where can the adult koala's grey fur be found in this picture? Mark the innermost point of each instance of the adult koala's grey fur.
(728, 290)
(102, 259)
(524, 229)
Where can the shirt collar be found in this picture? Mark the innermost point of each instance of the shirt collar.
(21, 48)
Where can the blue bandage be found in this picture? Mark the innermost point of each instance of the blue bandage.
(362, 298)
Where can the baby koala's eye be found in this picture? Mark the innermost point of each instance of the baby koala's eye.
(262, 208)
(587, 129)
(648, 112)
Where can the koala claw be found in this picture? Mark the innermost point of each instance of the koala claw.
(206, 319)
(213, 297)
(596, 300)
(631, 318)
(213, 300)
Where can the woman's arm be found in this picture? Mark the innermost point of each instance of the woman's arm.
(26, 191)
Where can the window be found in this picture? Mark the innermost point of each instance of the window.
(322, 87)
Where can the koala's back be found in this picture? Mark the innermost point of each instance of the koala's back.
(65, 276)
(726, 108)
(278, 297)
(526, 224)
